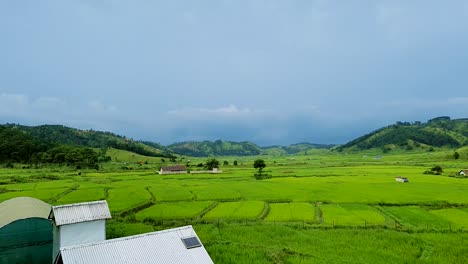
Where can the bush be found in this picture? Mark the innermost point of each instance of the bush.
(436, 170)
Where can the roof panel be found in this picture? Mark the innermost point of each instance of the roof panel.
(162, 247)
(80, 212)
(22, 208)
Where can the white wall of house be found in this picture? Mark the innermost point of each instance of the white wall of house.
(81, 233)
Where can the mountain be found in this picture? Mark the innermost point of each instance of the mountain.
(437, 132)
(53, 135)
(216, 148)
(229, 148)
(298, 147)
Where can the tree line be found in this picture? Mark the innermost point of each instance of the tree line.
(18, 146)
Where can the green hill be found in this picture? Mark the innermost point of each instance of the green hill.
(42, 138)
(437, 132)
(215, 148)
(229, 148)
(295, 148)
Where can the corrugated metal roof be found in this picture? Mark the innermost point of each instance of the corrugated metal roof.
(22, 208)
(162, 247)
(80, 212)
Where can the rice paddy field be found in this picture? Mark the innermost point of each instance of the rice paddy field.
(325, 207)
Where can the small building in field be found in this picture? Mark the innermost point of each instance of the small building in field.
(176, 169)
(401, 179)
(172, 246)
(79, 223)
(463, 173)
(25, 231)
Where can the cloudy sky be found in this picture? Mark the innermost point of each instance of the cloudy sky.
(267, 71)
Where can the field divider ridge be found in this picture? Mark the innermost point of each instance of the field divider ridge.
(60, 195)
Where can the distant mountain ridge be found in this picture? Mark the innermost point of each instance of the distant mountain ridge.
(437, 132)
(231, 148)
(49, 136)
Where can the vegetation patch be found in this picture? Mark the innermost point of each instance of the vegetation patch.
(285, 212)
(179, 210)
(125, 198)
(458, 218)
(416, 217)
(236, 210)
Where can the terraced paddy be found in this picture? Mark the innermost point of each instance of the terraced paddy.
(313, 206)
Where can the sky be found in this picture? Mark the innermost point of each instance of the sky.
(267, 71)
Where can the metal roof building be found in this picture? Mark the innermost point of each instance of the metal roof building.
(173, 246)
(79, 223)
(25, 231)
(80, 212)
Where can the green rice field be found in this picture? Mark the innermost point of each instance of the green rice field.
(324, 207)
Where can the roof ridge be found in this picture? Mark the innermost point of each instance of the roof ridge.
(77, 204)
(127, 238)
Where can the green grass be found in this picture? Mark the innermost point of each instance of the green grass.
(284, 212)
(269, 243)
(82, 195)
(126, 198)
(458, 218)
(236, 210)
(171, 192)
(351, 214)
(416, 217)
(377, 220)
(178, 210)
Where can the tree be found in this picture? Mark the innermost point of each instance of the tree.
(225, 163)
(456, 155)
(212, 163)
(437, 170)
(235, 163)
(260, 165)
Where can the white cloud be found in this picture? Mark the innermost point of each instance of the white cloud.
(230, 111)
(45, 109)
(13, 104)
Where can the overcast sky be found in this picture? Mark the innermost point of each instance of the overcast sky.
(267, 71)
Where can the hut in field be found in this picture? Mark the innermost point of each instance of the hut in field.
(176, 169)
(401, 179)
(80, 223)
(25, 232)
(172, 246)
(463, 173)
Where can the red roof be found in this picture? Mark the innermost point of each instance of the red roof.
(174, 168)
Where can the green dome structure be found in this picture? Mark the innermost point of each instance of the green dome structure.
(25, 232)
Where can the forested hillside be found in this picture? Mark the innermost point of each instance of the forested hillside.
(64, 145)
(216, 148)
(229, 148)
(17, 145)
(437, 132)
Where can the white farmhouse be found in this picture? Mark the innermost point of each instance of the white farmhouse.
(79, 223)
